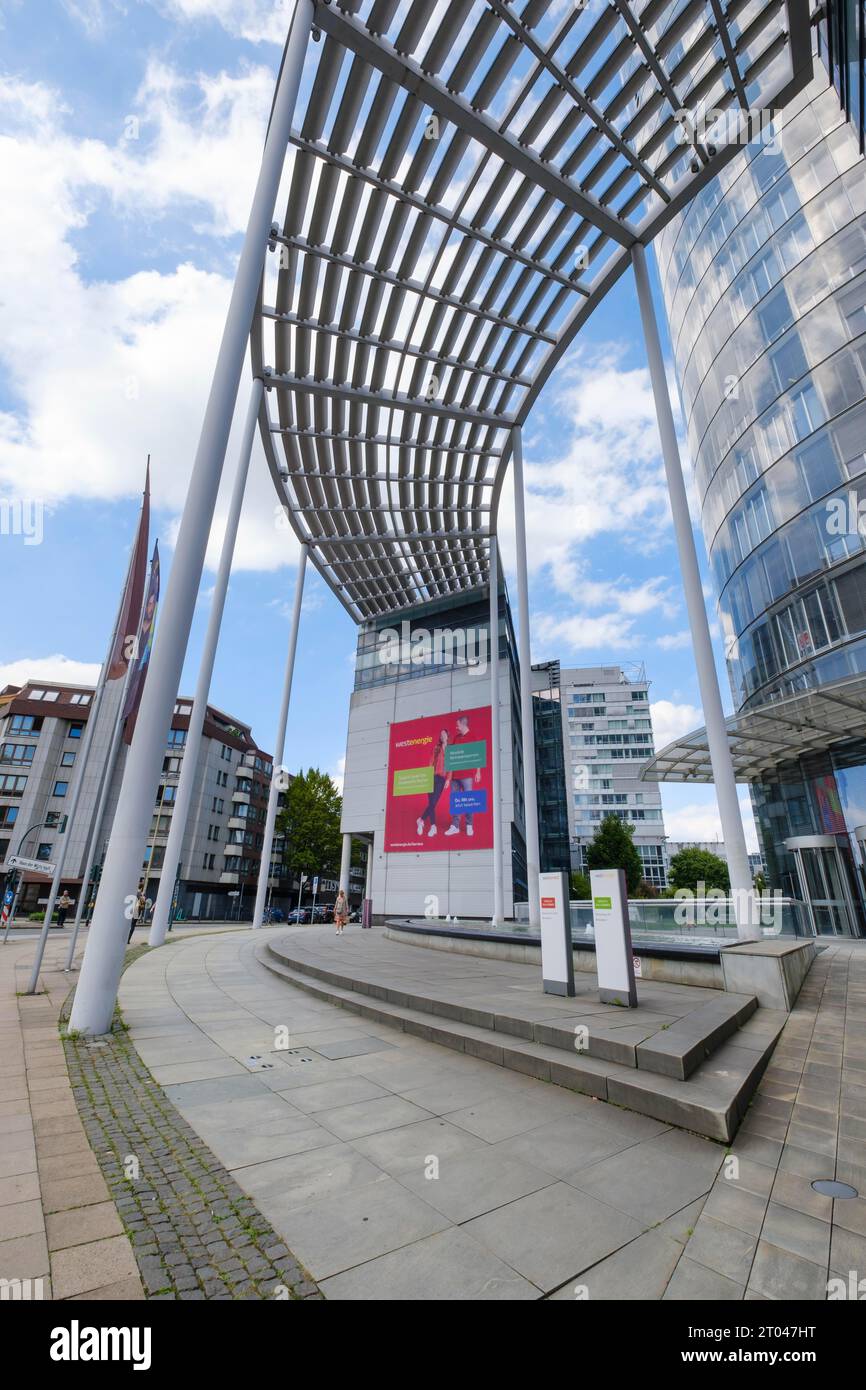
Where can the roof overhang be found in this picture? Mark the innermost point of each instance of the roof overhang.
(467, 182)
(762, 738)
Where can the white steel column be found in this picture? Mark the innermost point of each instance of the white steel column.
(103, 959)
(495, 780)
(279, 747)
(99, 813)
(189, 762)
(530, 794)
(368, 880)
(345, 864)
(64, 840)
(717, 738)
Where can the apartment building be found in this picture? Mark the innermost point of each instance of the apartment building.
(41, 730)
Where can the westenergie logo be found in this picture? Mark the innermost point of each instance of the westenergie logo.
(77, 1343)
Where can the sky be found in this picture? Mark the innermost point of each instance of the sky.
(130, 133)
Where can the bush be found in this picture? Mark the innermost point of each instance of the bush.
(693, 866)
(36, 917)
(613, 848)
(580, 888)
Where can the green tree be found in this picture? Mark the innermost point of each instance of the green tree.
(613, 848)
(580, 889)
(693, 866)
(310, 822)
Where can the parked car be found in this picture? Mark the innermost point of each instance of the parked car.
(299, 914)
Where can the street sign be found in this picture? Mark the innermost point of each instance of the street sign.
(557, 961)
(30, 866)
(614, 958)
(315, 885)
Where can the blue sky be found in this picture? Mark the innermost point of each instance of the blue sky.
(129, 135)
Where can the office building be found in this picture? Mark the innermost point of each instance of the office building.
(764, 280)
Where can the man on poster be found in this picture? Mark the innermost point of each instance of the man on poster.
(466, 783)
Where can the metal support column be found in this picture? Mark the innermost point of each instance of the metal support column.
(742, 893)
(189, 762)
(530, 791)
(345, 864)
(279, 747)
(495, 778)
(103, 959)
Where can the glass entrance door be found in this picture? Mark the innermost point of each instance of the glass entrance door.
(828, 884)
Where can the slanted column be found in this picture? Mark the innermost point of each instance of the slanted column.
(277, 779)
(742, 891)
(530, 792)
(495, 777)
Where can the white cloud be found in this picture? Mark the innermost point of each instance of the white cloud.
(674, 641)
(339, 775)
(587, 630)
(698, 819)
(124, 366)
(671, 721)
(245, 19)
(56, 669)
(606, 479)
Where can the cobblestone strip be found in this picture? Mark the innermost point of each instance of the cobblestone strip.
(195, 1233)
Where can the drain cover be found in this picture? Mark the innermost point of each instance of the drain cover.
(828, 1187)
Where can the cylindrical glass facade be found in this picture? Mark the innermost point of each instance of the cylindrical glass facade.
(764, 281)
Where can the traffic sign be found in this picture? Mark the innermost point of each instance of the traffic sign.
(32, 866)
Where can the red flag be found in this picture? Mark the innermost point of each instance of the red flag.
(127, 628)
(143, 645)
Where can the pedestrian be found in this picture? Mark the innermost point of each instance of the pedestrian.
(138, 906)
(64, 902)
(341, 912)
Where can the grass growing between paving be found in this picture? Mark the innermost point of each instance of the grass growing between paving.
(194, 1232)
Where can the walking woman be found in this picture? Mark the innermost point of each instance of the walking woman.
(427, 819)
(341, 912)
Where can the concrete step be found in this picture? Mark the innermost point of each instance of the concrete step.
(711, 1102)
(674, 1049)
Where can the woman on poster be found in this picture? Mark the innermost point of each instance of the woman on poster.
(427, 819)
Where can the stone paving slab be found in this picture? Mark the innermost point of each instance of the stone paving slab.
(643, 1211)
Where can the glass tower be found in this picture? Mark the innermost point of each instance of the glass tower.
(764, 281)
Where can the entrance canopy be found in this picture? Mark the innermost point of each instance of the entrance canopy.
(468, 181)
(761, 738)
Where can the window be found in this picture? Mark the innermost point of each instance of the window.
(218, 805)
(75, 730)
(176, 737)
(67, 759)
(12, 786)
(60, 788)
(79, 698)
(28, 724)
(17, 752)
(8, 815)
(44, 852)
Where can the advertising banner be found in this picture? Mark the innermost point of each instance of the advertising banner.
(439, 783)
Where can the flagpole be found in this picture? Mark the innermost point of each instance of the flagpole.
(104, 791)
(82, 759)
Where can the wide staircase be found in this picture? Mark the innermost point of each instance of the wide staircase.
(698, 1071)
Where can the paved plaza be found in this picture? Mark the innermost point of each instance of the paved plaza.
(292, 1149)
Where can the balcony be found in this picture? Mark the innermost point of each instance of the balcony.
(237, 823)
(229, 878)
(242, 797)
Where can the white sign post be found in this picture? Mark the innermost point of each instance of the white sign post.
(613, 952)
(29, 866)
(557, 961)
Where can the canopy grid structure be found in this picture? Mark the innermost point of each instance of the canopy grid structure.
(760, 738)
(468, 181)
